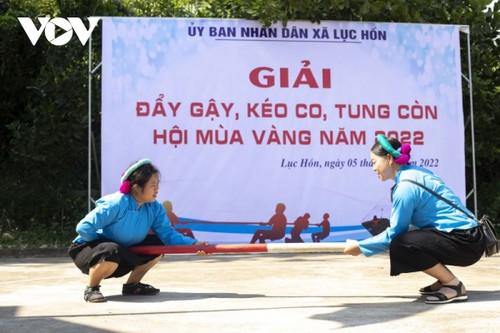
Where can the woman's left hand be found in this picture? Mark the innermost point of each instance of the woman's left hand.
(352, 248)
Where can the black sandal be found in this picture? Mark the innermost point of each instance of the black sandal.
(428, 290)
(137, 288)
(93, 295)
(443, 299)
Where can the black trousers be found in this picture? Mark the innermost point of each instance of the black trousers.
(419, 250)
(86, 255)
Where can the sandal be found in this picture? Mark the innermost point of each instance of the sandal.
(443, 299)
(137, 288)
(430, 289)
(93, 295)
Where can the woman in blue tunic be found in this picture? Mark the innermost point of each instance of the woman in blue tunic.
(441, 235)
(119, 221)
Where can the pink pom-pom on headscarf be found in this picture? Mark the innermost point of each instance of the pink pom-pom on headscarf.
(405, 150)
(125, 187)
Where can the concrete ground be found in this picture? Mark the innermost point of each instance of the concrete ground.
(246, 293)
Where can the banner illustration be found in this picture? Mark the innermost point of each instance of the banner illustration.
(244, 121)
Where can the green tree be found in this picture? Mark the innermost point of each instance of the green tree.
(44, 119)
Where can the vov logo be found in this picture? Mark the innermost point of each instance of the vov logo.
(50, 26)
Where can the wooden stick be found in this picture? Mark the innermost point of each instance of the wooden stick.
(242, 248)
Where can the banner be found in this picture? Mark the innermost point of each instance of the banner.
(243, 120)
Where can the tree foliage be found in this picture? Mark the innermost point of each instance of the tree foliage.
(43, 109)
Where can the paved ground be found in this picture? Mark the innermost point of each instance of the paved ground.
(246, 293)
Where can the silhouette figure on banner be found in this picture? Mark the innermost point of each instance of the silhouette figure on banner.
(325, 229)
(300, 224)
(174, 220)
(278, 227)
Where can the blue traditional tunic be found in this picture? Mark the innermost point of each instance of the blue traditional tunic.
(117, 217)
(413, 205)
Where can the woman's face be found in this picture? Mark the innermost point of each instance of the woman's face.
(150, 190)
(382, 165)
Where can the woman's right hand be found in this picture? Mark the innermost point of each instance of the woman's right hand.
(202, 251)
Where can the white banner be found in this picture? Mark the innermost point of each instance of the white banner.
(240, 117)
